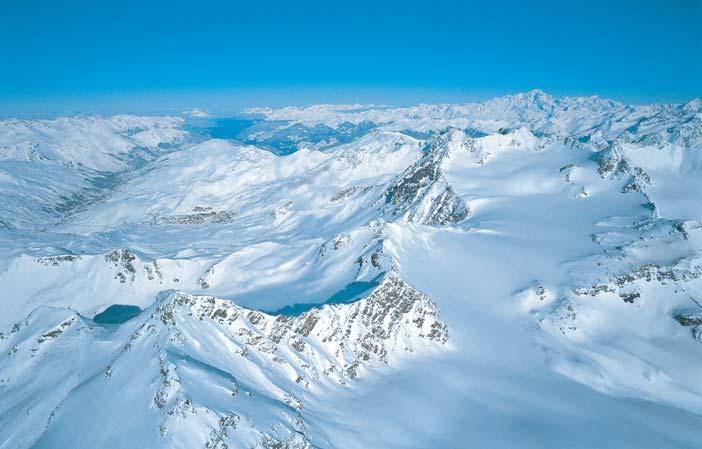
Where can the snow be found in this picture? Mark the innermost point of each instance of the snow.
(197, 113)
(537, 284)
(91, 141)
(49, 167)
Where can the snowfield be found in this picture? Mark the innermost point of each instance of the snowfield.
(524, 272)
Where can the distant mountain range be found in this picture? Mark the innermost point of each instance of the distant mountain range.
(522, 272)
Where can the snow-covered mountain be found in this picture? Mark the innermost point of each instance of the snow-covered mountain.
(50, 167)
(523, 272)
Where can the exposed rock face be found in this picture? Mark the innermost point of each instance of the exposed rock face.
(638, 181)
(629, 288)
(200, 215)
(422, 194)
(198, 351)
(611, 161)
(374, 261)
(683, 271)
(614, 164)
(344, 336)
(349, 192)
(693, 321)
(123, 259)
(55, 261)
(634, 288)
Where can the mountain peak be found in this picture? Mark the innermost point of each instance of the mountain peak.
(694, 105)
(568, 226)
(535, 97)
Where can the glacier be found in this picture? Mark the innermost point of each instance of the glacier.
(521, 272)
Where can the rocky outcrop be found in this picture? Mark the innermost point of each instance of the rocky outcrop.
(344, 340)
(422, 194)
(692, 321)
(192, 354)
(123, 260)
(200, 215)
(612, 163)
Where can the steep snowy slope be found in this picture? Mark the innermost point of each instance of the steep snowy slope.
(199, 371)
(229, 220)
(524, 272)
(244, 181)
(100, 144)
(50, 168)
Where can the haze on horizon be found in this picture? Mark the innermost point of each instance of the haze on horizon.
(188, 263)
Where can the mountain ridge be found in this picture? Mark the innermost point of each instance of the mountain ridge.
(429, 273)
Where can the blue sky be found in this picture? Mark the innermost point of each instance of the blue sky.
(142, 55)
